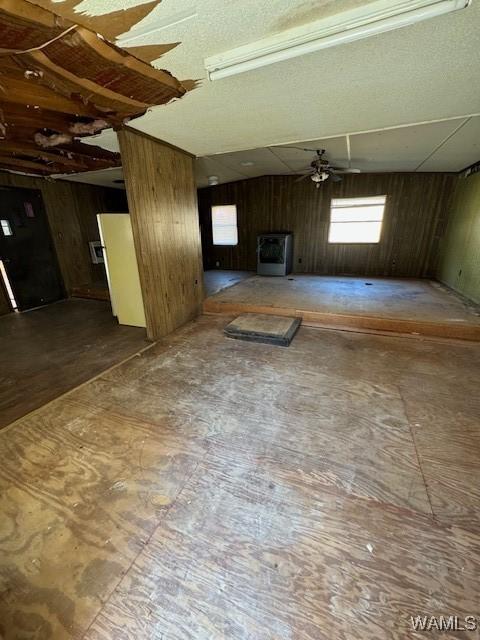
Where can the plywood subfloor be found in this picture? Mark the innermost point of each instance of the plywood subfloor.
(48, 351)
(402, 305)
(223, 490)
(218, 279)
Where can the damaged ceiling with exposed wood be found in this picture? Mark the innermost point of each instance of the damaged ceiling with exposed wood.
(61, 81)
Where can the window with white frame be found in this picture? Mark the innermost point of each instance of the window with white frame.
(356, 220)
(224, 225)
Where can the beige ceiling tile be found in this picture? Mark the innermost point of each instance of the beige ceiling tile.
(102, 177)
(107, 139)
(459, 151)
(418, 73)
(400, 149)
(205, 167)
(264, 163)
(298, 159)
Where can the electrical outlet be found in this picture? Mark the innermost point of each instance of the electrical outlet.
(299, 261)
(217, 263)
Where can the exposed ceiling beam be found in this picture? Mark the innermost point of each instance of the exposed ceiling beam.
(30, 92)
(28, 165)
(33, 151)
(57, 77)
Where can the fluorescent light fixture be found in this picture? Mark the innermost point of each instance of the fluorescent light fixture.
(348, 26)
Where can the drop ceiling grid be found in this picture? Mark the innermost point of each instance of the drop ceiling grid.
(449, 145)
(392, 150)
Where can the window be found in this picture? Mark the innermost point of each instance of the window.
(6, 228)
(356, 220)
(224, 224)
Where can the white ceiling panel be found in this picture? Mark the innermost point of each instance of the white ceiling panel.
(205, 167)
(402, 149)
(419, 73)
(442, 146)
(102, 177)
(263, 162)
(459, 152)
(297, 159)
(107, 139)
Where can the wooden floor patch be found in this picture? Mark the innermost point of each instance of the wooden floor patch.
(407, 306)
(259, 327)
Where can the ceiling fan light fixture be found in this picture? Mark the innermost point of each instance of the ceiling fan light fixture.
(319, 176)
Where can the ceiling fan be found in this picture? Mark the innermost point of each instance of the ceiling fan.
(320, 168)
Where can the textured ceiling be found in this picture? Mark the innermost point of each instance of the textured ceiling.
(419, 73)
(423, 73)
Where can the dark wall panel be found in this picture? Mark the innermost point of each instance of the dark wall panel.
(72, 209)
(415, 216)
(4, 302)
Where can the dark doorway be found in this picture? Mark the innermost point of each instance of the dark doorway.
(26, 249)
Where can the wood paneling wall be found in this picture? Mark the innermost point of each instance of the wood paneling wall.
(415, 216)
(72, 209)
(162, 201)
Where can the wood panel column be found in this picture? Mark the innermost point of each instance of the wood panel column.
(162, 199)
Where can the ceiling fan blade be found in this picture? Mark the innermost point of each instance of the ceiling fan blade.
(279, 146)
(340, 170)
(305, 170)
(334, 177)
(306, 175)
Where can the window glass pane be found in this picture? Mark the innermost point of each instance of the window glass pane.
(357, 214)
(352, 232)
(6, 228)
(355, 220)
(224, 225)
(225, 235)
(224, 215)
(358, 202)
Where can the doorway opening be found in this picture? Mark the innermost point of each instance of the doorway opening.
(29, 268)
(8, 287)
